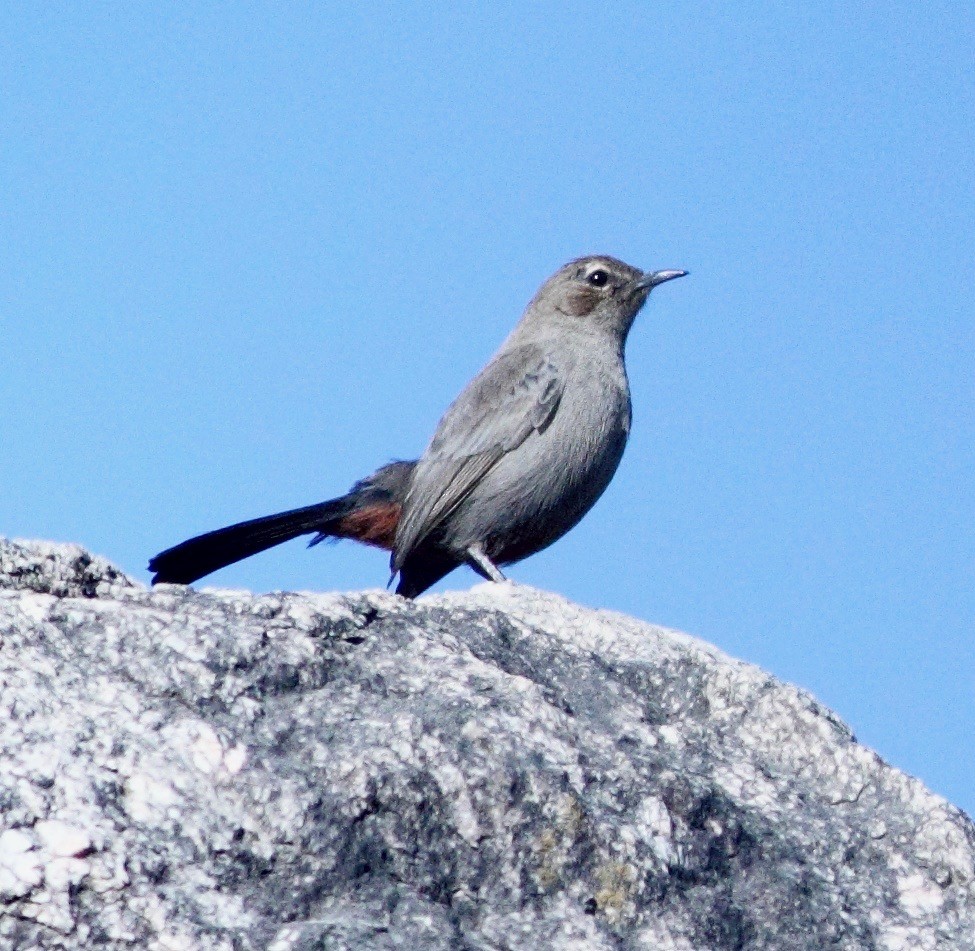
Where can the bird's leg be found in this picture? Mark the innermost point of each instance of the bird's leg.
(482, 564)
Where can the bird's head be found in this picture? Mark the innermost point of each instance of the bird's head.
(599, 292)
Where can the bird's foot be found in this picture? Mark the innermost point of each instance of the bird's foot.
(483, 565)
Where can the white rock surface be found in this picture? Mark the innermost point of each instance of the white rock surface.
(493, 770)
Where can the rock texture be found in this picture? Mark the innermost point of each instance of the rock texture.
(499, 769)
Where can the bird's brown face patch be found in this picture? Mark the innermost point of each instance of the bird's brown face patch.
(374, 525)
(582, 300)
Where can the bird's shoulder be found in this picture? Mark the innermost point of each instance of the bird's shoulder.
(517, 391)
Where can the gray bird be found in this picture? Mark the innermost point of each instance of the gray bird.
(516, 461)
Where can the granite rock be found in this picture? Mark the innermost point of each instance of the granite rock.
(496, 769)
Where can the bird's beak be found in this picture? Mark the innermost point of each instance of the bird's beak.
(652, 278)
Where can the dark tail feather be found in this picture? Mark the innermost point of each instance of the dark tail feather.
(423, 569)
(369, 514)
(192, 559)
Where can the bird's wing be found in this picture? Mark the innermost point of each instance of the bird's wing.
(515, 395)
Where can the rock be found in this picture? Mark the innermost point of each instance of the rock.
(499, 769)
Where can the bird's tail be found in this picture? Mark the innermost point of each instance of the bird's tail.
(369, 513)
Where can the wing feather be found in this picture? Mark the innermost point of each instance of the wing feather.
(515, 395)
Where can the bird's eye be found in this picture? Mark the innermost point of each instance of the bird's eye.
(598, 278)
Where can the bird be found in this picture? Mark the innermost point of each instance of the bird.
(519, 457)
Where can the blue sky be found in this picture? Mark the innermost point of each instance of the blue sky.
(253, 251)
